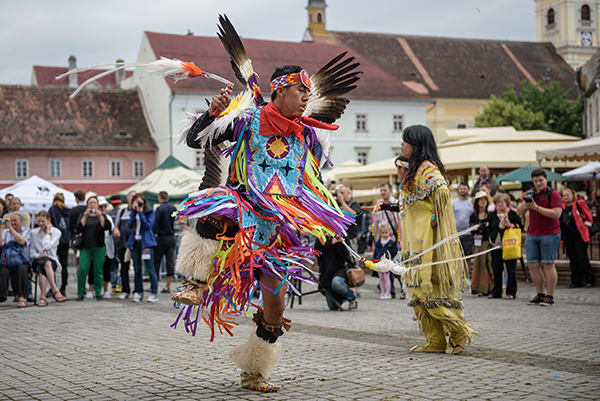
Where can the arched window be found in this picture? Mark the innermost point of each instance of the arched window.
(310, 18)
(585, 12)
(551, 16)
(319, 17)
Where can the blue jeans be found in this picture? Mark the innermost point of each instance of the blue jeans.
(136, 258)
(542, 248)
(339, 293)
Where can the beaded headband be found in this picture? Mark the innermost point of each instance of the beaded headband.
(291, 79)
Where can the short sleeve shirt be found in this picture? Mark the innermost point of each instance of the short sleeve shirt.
(540, 225)
(463, 209)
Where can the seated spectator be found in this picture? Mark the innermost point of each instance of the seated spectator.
(7, 199)
(2, 207)
(15, 206)
(43, 255)
(333, 261)
(17, 232)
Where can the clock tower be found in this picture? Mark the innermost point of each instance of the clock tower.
(571, 26)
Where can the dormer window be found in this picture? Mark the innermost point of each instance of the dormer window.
(123, 135)
(585, 12)
(551, 16)
(68, 135)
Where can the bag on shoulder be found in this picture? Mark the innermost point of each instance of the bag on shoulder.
(12, 255)
(593, 229)
(355, 277)
(77, 242)
(511, 244)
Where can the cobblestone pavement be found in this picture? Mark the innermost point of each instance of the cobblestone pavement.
(117, 349)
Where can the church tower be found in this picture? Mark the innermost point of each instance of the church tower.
(316, 17)
(571, 26)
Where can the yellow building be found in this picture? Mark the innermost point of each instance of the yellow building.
(458, 75)
(571, 26)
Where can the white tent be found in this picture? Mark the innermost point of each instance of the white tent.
(587, 150)
(36, 194)
(588, 172)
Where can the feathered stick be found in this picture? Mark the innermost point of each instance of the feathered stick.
(164, 67)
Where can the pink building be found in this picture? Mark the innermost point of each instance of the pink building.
(97, 142)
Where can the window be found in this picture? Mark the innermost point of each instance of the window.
(585, 12)
(310, 18)
(551, 16)
(87, 168)
(138, 168)
(595, 114)
(115, 168)
(200, 159)
(362, 155)
(461, 125)
(361, 122)
(21, 168)
(55, 168)
(398, 123)
(319, 17)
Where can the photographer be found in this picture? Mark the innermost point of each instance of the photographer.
(91, 224)
(543, 238)
(142, 242)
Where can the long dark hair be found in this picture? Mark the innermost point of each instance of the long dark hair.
(424, 149)
(143, 199)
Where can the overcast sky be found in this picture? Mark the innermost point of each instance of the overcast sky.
(45, 32)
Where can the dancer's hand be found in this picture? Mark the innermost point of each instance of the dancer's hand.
(219, 103)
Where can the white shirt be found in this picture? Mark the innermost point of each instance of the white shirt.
(42, 241)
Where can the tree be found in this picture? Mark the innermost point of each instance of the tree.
(503, 113)
(560, 114)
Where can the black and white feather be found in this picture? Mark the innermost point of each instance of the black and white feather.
(216, 166)
(240, 62)
(329, 85)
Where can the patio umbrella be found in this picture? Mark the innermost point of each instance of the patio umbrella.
(584, 173)
(523, 174)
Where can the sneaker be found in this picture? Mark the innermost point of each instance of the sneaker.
(117, 289)
(537, 300)
(89, 295)
(124, 295)
(106, 295)
(137, 297)
(152, 298)
(79, 299)
(165, 291)
(548, 301)
(353, 306)
(99, 298)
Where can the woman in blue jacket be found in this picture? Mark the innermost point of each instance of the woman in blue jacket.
(142, 243)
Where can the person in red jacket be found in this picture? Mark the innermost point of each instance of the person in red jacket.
(577, 237)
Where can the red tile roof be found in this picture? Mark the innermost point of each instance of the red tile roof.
(45, 76)
(208, 54)
(45, 117)
(459, 68)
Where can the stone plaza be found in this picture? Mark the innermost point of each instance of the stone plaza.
(118, 349)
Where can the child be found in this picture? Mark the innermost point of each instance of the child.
(386, 246)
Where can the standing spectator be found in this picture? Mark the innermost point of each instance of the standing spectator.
(115, 281)
(164, 228)
(2, 207)
(385, 247)
(501, 219)
(352, 207)
(7, 198)
(77, 210)
(43, 255)
(59, 218)
(142, 242)
(121, 234)
(576, 237)
(543, 237)
(463, 209)
(15, 206)
(15, 231)
(109, 243)
(484, 176)
(91, 224)
(482, 279)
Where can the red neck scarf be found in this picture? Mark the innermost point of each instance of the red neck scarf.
(273, 123)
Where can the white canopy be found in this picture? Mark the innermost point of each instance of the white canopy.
(585, 150)
(584, 173)
(36, 194)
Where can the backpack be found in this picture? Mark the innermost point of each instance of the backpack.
(12, 257)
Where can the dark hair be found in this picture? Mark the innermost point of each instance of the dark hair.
(87, 202)
(476, 206)
(383, 184)
(3, 205)
(79, 195)
(281, 71)
(43, 213)
(164, 195)
(424, 149)
(143, 198)
(464, 184)
(539, 172)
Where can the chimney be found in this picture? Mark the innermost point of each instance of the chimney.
(73, 78)
(120, 74)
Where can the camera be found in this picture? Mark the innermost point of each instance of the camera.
(92, 211)
(140, 204)
(2, 221)
(530, 196)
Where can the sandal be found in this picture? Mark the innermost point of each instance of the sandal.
(43, 302)
(22, 304)
(58, 297)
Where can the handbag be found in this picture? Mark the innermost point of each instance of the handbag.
(593, 229)
(12, 255)
(355, 276)
(511, 244)
(77, 242)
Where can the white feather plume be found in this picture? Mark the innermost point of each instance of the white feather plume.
(323, 136)
(169, 68)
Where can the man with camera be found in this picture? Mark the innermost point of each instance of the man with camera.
(543, 238)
